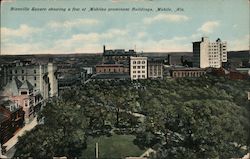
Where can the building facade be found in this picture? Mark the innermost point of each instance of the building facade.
(111, 68)
(24, 96)
(209, 54)
(138, 68)
(11, 119)
(119, 56)
(155, 68)
(186, 72)
(41, 77)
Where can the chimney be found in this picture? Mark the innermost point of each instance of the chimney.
(104, 49)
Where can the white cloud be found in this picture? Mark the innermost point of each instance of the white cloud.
(166, 18)
(16, 48)
(209, 26)
(72, 23)
(239, 44)
(23, 31)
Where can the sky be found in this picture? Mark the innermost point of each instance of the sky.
(171, 29)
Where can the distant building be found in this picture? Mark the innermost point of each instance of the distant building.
(155, 68)
(111, 68)
(209, 54)
(248, 95)
(41, 77)
(138, 68)
(117, 56)
(186, 72)
(88, 69)
(244, 70)
(110, 76)
(11, 119)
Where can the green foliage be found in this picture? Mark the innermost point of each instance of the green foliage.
(205, 117)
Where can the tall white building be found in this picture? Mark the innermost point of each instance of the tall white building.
(138, 68)
(209, 54)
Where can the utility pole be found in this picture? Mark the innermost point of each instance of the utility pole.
(96, 151)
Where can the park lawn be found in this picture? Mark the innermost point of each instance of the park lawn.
(115, 146)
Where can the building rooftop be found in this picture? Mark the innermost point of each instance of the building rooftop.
(187, 69)
(26, 85)
(110, 65)
(119, 52)
(110, 76)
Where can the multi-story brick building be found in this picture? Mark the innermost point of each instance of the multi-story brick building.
(111, 68)
(187, 72)
(11, 119)
(138, 68)
(209, 54)
(119, 56)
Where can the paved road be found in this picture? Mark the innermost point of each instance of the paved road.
(11, 143)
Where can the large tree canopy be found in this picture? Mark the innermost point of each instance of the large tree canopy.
(206, 117)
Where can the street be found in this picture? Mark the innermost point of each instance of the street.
(11, 143)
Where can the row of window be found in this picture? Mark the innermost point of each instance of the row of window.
(139, 76)
(22, 77)
(22, 71)
(139, 71)
(139, 67)
(139, 62)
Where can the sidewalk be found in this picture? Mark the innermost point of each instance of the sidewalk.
(9, 144)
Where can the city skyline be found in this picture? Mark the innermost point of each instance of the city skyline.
(54, 32)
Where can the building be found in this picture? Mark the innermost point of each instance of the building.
(109, 76)
(155, 68)
(111, 68)
(24, 96)
(244, 70)
(248, 95)
(41, 77)
(209, 54)
(119, 56)
(186, 72)
(138, 68)
(11, 119)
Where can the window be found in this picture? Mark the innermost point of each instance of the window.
(134, 67)
(22, 71)
(138, 62)
(22, 77)
(10, 71)
(139, 76)
(143, 76)
(139, 71)
(35, 84)
(34, 71)
(134, 62)
(134, 76)
(35, 78)
(134, 71)
(143, 67)
(138, 67)
(143, 62)
(15, 71)
(23, 93)
(143, 71)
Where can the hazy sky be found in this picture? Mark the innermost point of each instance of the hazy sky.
(32, 32)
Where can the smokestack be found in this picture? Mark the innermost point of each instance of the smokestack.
(104, 49)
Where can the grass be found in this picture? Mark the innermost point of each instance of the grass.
(116, 146)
